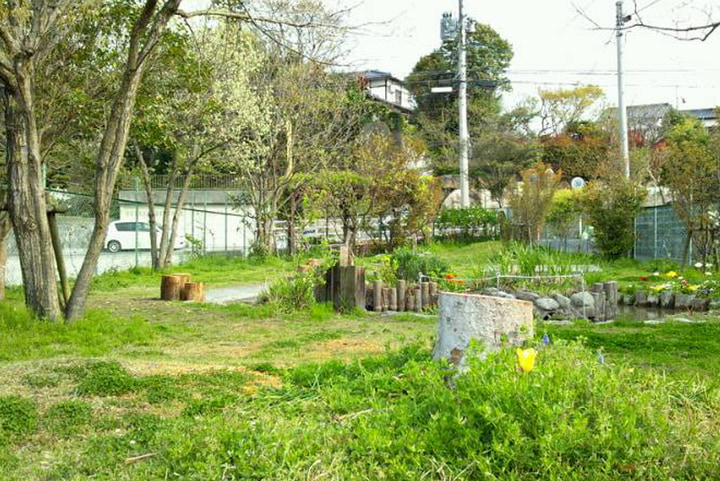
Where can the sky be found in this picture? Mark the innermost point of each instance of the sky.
(554, 46)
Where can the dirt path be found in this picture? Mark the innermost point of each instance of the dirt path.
(242, 293)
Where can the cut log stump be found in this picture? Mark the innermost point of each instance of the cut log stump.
(172, 285)
(193, 291)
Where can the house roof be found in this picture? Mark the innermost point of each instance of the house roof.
(702, 114)
(378, 75)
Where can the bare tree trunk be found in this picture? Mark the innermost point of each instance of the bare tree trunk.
(26, 199)
(148, 27)
(147, 182)
(167, 260)
(5, 227)
(167, 206)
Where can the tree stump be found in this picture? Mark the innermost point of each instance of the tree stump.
(425, 294)
(393, 299)
(418, 299)
(193, 291)
(171, 286)
(493, 321)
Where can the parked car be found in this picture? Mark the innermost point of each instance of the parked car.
(122, 236)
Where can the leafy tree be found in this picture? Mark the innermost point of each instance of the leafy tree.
(579, 150)
(562, 108)
(611, 203)
(531, 200)
(691, 172)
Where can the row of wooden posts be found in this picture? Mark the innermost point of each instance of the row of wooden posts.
(401, 297)
(179, 287)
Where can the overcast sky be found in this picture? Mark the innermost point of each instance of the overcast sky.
(554, 46)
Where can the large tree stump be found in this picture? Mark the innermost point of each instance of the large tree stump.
(171, 286)
(193, 291)
(418, 299)
(344, 287)
(492, 321)
(425, 294)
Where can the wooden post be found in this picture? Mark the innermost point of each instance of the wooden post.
(59, 259)
(193, 291)
(611, 299)
(377, 296)
(598, 292)
(433, 293)
(418, 299)
(368, 297)
(386, 299)
(393, 299)
(425, 294)
(400, 295)
(410, 299)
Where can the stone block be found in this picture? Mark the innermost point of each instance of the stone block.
(641, 298)
(667, 300)
(491, 321)
(682, 301)
(700, 304)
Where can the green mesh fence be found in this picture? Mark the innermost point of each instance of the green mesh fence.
(660, 234)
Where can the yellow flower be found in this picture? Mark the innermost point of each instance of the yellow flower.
(671, 274)
(658, 288)
(693, 288)
(526, 358)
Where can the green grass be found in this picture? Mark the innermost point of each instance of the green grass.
(248, 392)
(213, 270)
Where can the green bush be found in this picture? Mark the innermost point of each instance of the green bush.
(106, 379)
(410, 263)
(294, 294)
(467, 224)
(18, 417)
(611, 206)
(67, 417)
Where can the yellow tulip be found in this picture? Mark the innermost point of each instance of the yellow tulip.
(693, 288)
(526, 358)
(671, 274)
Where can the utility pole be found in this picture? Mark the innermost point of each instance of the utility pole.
(622, 113)
(462, 108)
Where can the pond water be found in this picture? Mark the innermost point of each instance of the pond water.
(647, 313)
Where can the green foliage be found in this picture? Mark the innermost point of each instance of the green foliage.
(467, 224)
(22, 336)
(531, 201)
(67, 417)
(564, 212)
(611, 206)
(18, 417)
(296, 293)
(412, 262)
(106, 379)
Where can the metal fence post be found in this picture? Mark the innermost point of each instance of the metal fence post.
(137, 220)
(205, 223)
(192, 216)
(655, 225)
(226, 223)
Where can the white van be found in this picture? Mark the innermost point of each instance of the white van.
(122, 236)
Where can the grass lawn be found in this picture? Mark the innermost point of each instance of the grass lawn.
(141, 389)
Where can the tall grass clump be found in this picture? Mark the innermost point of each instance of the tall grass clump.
(403, 416)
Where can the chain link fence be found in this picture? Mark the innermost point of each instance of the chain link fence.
(209, 223)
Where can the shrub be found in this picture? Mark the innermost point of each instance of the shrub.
(296, 293)
(67, 417)
(106, 379)
(411, 263)
(611, 205)
(564, 213)
(467, 224)
(531, 200)
(18, 416)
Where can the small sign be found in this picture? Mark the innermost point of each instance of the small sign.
(577, 183)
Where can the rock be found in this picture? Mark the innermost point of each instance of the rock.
(582, 299)
(547, 304)
(563, 301)
(494, 292)
(667, 300)
(629, 299)
(714, 305)
(682, 301)
(641, 298)
(652, 301)
(526, 296)
(700, 304)
(599, 298)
